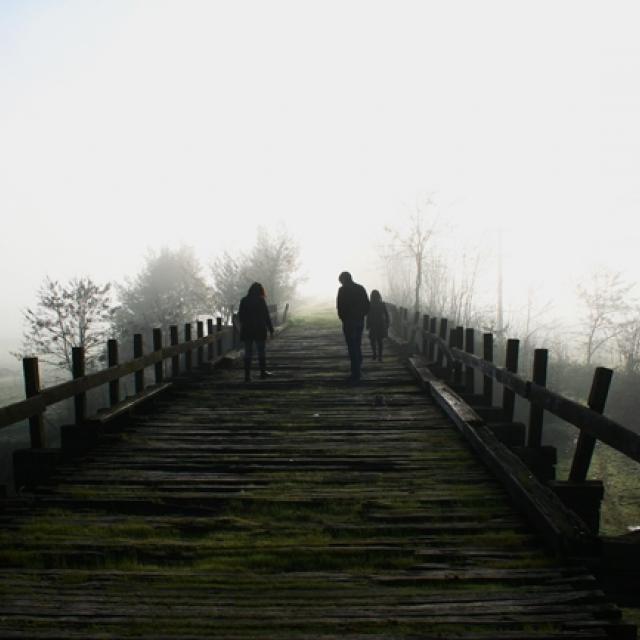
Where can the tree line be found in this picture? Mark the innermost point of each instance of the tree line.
(420, 276)
(172, 288)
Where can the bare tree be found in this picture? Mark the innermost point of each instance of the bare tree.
(628, 343)
(76, 314)
(462, 289)
(399, 286)
(605, 297)
(230, 283)
(414, 241)
(436, 283)
(273, 261)
(531, 324)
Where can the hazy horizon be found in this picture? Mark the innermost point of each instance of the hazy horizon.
(131, 125)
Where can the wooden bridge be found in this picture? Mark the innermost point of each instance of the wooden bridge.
(295, 507)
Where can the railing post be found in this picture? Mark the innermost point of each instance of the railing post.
(175, 360)
(157, 346)
(219, 340)
(536, 412)
(443, 336)
(456, 339)
(586, 442)
(511, 364)
(432, 346)
(425, 330)
(200, 334)
(187, 353)
(32, 388)
(487, 381)
(210, 346)
(137, 353)
(285, 314)
(469, 346)
(234, 324)
(113, 361)
(405, 323)
(78, 371)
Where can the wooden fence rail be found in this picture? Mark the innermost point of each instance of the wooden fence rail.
(38, 399)
(593, 426)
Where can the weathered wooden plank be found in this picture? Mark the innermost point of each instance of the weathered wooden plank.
(561, 527)
(128, 404)
(300, 508)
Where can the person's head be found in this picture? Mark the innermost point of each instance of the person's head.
(256, 289)
(375, 296)
(345, 278)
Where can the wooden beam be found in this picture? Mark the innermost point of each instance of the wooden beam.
(113, 361)
(200, 334)
(175, 360)
(511, 365)
(157, 346)
(561, 528)
(469, 373)
(78, 371)
(187, 340)
(37, 431)
(137, 353)
(586, 441)
(487, 380)
(536, 412)
(211, 346)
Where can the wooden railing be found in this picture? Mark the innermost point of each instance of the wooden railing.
(208, 348)
(448, 354)
(452, 350)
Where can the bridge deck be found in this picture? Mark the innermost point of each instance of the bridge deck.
(297, 507)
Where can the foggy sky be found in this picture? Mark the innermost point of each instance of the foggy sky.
(132, 124)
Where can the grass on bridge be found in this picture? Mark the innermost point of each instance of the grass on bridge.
(297, 507)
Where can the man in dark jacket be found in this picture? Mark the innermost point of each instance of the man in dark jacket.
(353, 305)
(255, 321)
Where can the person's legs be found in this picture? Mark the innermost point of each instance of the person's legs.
(248, 356)
(373, 342)
(380, 340)
(262, 357)
(347, 330)
(353, 338)
(358, 345)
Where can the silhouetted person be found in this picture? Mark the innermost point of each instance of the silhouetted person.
(377, 323)
(255, 321)
(353, 305)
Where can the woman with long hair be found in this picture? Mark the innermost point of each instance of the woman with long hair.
(255, 321)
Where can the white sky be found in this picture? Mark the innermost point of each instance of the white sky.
(130, 124)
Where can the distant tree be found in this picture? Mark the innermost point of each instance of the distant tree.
(532, 325)
(605, 297)
(413, 241)
(273, 261)
(230, 284)
(399, 281)
(628, 342)
(169, 290)
(436, 287)
(462, 285)
(76, 314)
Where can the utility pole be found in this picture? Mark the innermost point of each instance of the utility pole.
(500, 307)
